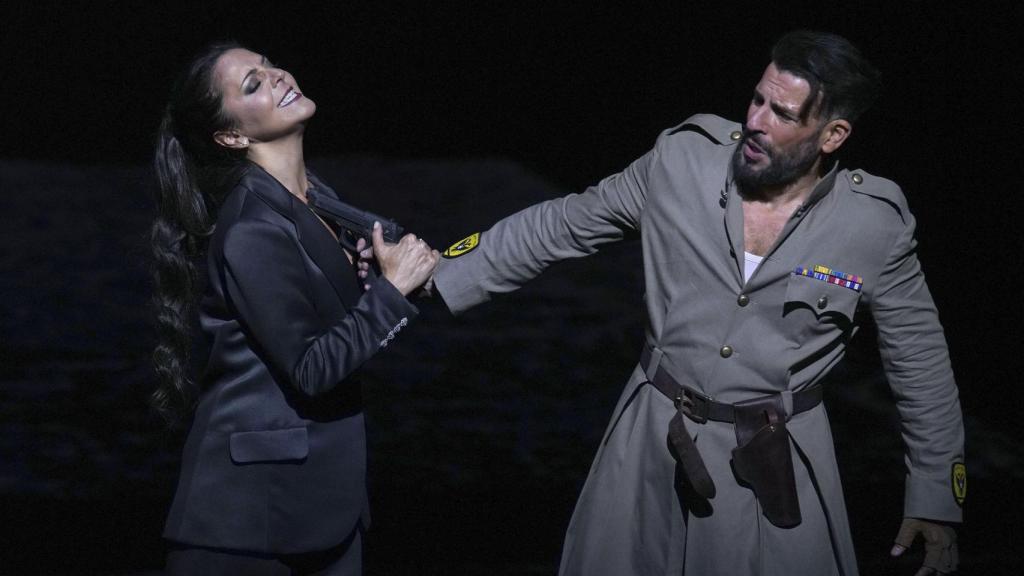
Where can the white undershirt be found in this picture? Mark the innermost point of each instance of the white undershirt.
(750, 263)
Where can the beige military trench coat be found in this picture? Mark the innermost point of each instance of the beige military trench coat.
(779, 332)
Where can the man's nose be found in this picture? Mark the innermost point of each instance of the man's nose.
(755, 119)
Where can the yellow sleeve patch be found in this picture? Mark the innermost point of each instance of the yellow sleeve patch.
(462, 246)
(959, 479)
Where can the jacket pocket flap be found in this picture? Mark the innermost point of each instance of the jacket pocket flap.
(269, 445)
(822, 298)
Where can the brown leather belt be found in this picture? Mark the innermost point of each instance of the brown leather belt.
(701, 408)
(762, 453)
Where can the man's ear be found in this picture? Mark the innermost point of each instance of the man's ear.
(231, 139)
(835, 133)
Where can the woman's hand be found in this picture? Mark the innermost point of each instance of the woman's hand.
(407, 265)
(364, 254)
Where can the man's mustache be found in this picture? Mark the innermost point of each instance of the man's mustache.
(753, 138)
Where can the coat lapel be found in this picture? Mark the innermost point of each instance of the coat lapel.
(318, 243)
(326, 253)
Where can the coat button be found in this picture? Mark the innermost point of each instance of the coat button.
(726, 351)
(822, 302)
(857, 178)
(736, 135)
(743, 300)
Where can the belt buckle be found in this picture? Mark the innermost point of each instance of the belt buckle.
(692, 405)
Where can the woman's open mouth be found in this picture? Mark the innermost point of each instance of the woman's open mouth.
(290, 96)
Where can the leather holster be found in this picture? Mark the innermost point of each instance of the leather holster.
(762, 458)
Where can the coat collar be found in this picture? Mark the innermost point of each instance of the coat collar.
(318, 243)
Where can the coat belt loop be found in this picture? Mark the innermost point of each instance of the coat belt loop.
(787, 403)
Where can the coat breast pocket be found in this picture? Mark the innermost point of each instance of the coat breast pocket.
(813, 307)
(288, 444)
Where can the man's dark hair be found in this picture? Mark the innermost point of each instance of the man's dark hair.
(843, 83)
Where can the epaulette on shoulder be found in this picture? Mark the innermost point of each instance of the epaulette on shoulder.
(715, 128)
(878, 188)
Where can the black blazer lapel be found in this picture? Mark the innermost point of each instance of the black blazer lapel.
(321, 246)
(325, 251)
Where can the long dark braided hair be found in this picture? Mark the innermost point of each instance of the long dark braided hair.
(194, 174)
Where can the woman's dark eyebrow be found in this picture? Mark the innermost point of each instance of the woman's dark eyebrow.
(263, 62)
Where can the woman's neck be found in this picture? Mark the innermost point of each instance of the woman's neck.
(284, 160)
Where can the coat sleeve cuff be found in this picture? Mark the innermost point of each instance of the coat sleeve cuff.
(931, 498)
(396, 310)
(457, 281)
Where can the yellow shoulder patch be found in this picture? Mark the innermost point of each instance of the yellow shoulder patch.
(959, 479)
(462, 246)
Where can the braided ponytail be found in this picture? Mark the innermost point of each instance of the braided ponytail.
(193, 175)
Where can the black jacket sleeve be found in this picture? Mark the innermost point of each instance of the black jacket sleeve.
(267, 280)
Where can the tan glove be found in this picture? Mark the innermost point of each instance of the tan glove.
(940, 553)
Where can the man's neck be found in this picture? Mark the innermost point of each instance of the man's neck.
(766, 210)
(789, 194)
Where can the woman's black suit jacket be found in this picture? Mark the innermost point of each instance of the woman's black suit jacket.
(275, 461)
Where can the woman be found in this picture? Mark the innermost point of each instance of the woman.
(273, 472)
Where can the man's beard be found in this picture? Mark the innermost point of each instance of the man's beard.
(782, 168)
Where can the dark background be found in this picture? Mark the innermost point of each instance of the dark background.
(448, 116)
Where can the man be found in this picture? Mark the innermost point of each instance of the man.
(761, 258)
